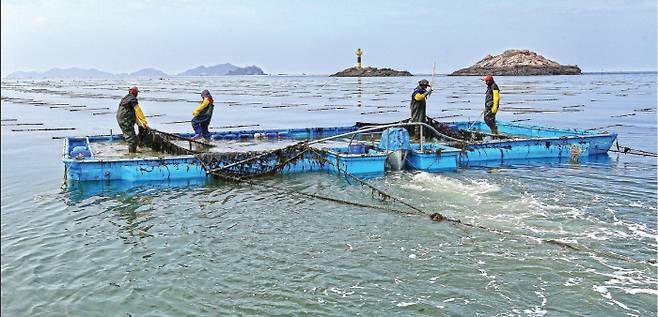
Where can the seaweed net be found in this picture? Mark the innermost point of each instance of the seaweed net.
(162, 142)
(255, 163)
(452, 132)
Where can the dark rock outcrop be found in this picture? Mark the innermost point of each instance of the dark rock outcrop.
(517, 63)
(371, 72)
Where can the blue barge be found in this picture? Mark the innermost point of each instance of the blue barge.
(517, 143)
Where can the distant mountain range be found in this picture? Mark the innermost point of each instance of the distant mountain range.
(63, 73)
(217, 70)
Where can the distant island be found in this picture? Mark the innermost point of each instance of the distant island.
(517, 63)
(80, 73)
(371, 72)
(222, 69)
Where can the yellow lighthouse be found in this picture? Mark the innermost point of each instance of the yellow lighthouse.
(359, 52)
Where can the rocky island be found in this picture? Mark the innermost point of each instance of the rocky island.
(517, 63)
(371, 72)
(222, 69)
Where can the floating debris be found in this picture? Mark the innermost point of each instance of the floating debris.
(623, 115)
(41, 129)
(456, 109)
(459, 101)
(177, 122)
(606, 127)
(449, 116)
(89, 109)
(281, 106)
(327, 109)
(380, 111)
(235, 126)
(65, 107)
(19, 124)
(522, 110)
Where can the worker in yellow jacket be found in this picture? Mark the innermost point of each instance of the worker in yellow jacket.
(491, 103)
(419, 105)
(202, 115)
(128, 114)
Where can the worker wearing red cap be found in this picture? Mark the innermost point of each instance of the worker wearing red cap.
(128, 114)
(491, 103)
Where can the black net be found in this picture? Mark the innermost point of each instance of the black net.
(162, 142)
(253, 164)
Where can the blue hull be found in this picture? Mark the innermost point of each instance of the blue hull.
(530, 143)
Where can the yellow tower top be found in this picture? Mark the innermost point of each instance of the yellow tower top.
(359, 52)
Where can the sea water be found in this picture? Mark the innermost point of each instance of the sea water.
(211, 248)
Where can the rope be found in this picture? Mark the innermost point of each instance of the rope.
(382, 195)
(631, 151)
(309, 195)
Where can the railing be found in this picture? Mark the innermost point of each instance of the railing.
(395, 125)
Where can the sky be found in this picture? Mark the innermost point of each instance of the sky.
(321, 37)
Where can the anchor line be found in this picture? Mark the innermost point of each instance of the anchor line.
(631, 151)
(382, 195)
(309, 195)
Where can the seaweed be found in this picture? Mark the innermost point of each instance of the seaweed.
(161, 142)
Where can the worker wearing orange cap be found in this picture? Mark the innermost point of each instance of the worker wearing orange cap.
(491, 103)
(128, 114)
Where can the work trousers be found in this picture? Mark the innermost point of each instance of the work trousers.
(126, 120)
(418, 114)
(490, 120)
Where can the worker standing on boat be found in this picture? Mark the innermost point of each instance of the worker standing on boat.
(202, 115)
(419, 104)
(491, 103)
(128, 114)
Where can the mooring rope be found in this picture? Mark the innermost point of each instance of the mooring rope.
(250, 182)
(628, 150)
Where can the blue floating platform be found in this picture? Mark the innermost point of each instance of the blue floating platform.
(523, 143)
